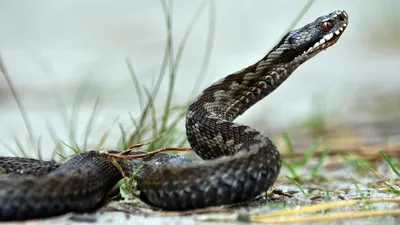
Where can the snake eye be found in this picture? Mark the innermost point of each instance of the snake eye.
(327, 26)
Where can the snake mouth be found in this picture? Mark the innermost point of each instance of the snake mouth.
(332, 37)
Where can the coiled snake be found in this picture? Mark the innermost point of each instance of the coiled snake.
(242, 162)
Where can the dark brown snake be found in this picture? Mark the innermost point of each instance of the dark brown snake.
(242, 162)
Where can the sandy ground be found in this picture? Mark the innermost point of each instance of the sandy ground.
(337, 186)
(122, 218)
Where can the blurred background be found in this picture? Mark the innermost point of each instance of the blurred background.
(63, 54)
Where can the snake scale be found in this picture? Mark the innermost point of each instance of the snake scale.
(240, 162)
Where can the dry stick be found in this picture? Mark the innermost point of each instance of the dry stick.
(323, 206)
(385, 180)
(135, 146)
(281, 193)
(141, 144)
(122, 156)
(334, 216)
(272, 217)
(392, 151)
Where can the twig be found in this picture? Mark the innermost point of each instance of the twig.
(122, 155)
(272, 217)
(139, 145)
(333, 216)
(281, 193)
(366, 151)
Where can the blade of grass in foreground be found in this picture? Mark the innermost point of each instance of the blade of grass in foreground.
(207, 53)
(151, 120)
(74, 117)
(309, 152)
(289, 146)
(389, 162)
(320, 161)
(302, 12)
(13, 152)
(20, 106)
(297, 185)
(174, 61)
(89, 125)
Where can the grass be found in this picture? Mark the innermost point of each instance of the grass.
(293, 164)
(294, 181)
(32, 139)
(315, 170)
(161, 125)
(390, 163)
(391, 185)
(125, 188)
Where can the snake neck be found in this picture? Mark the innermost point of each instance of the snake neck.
(231, 96)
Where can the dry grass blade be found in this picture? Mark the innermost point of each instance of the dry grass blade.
(334, 216)
(275, 217)
(368, 152)
(139, 145)
(123, 156)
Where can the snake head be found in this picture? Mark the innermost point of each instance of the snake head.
(303, 43)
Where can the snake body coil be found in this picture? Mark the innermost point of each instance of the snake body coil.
(242, 162)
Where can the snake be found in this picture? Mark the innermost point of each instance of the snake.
(239, 163)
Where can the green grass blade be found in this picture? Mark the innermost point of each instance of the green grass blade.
(117, 186)
(9, 148)
(167, 10)
(291, 168)
(389, 162)
(289, 146)
(297, 185)
(20, 106)
(208, 50)
(153, 113)
(136, 82)
(124, 144)
(309, 152)
(135, 173)
(75, 150)
(58, 147)
(39, 148)
(175, 60)
(89, 125)
(320, 161)
(21, 148)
